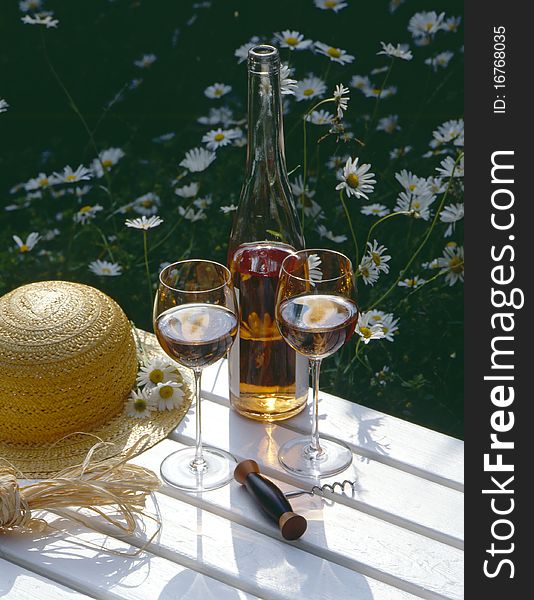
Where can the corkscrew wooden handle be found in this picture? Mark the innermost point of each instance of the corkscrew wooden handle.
(271, 499)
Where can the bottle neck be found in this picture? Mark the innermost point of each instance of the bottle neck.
(265, 148)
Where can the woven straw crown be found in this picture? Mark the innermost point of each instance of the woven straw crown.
(67, 361)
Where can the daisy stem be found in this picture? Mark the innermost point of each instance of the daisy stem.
(385, 218)
(145, 248)
(106, 243)
(423, 241)
(353, 233)
(76, 110)
(384, 83)
(356, 357)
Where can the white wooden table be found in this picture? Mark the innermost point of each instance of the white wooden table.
(399, 537)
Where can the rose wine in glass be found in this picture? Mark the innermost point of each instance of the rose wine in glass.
(195, 320)
(316, 313)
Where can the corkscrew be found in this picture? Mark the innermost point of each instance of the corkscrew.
(275, 503)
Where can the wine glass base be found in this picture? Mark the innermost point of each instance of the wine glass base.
(177, 470)
(294, 457)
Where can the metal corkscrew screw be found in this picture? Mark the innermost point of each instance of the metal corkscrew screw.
(338, 487)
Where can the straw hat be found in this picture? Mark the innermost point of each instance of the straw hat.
(68, 361)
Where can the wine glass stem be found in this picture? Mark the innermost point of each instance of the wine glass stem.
(315, 449)
(198, 464)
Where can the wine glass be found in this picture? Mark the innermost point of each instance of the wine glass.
(316, 313)
(195, 321)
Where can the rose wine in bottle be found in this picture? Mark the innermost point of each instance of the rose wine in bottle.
(268, 379)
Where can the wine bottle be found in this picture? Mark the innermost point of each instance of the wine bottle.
(268, 379)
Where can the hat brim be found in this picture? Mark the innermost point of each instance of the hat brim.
(120, 433)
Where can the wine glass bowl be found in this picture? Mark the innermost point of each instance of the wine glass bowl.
(196, 322)
(316, 313)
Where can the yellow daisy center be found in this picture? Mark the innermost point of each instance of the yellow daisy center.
(377, 259)
(85, 209)
(70, 177)
(147, 203)
(107, 163)
(139, 405)
(166, 392)
(366, 332)
(416, 205)
(353, 180)
(377, 318)
(364, 271)
(385, 329)
(376, 91)
(308, 92)
(456, 264)
(156, 376)
(106, 270)
(334, 52)
(218, 137)
(292, 41)
(412, 187)
(429, 26)
(330, 3)
(24, 248)
(43, 181)
(217, 92)
(451, 244)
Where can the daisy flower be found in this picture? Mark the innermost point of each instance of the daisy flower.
(139, 405)
(29, 244)
(164, 137)
(144, 223)
(394, 4)
(310, 87)
(86, 214)
(360, 82)
(448, 132)
(228, 209)
(389, 326)
(452, 263)
(452, 24)
(191, 215)
(197, 160)
(216, 116)
(320, 117)
(42, 181)
(203, 203)
(417, 205)
(388, 124)
(341, 98)
(335, 5)
(147, 204)
(368, 330)
(399, 51)
(378, 256)
(424, 24)
(376, 210)
(30, 5)
(327, 234)
(379, 70)
(70, 175)
(396, 153)
(105, 268)
(412, 282)
(436, 185)
(337, 162)
(3, 105)
(217, 138)
(292, 40)
(412, 183)
(146, 61)
(80, 191)
(217, 90)
(188, 191)
(287, 85)
(297, 187)
(382, 93)
(167, 394)
(40, 19)
(242, 52)
(452, 213)
(356, 181)
(447, 167)
(334, 54)
(368, 271)
(157, 370)
(106, 159)
(440, 60)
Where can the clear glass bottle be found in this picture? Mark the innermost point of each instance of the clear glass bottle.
(268, 380)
